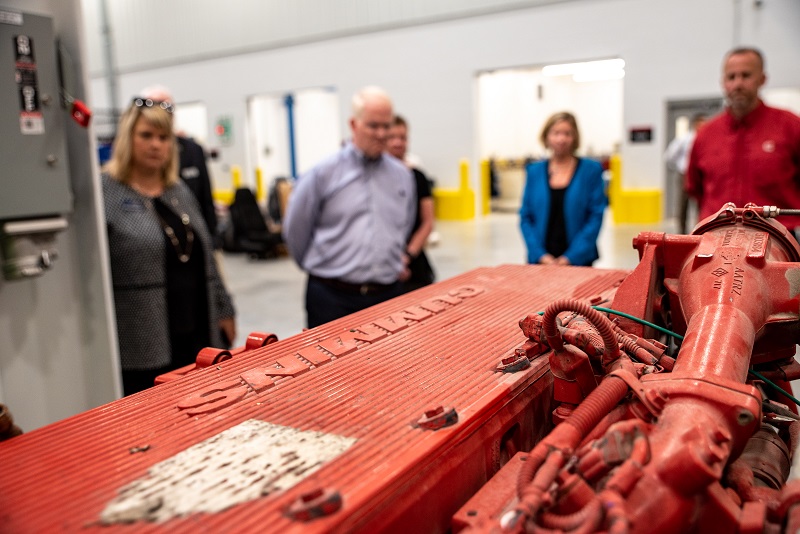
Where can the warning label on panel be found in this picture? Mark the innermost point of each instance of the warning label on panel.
(31, 120)
(31, 123)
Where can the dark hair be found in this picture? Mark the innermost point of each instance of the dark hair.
(747, 50)
(569, 118)
(399, 121)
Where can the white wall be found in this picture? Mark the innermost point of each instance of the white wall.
(672, 50)
(58, 355)
(513, 105)
(152, 33)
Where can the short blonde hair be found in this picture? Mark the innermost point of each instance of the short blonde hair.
(567, 117)
(121, 162)
(366, 94)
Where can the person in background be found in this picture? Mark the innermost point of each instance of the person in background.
(564, 199)
(349, 217)
(192, 166)
(421, 271)
(169, 299)
(677, 157)
(750, 152)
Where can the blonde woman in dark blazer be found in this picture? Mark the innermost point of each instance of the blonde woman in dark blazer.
(170, 301)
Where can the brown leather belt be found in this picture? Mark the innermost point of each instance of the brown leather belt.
(367, 288)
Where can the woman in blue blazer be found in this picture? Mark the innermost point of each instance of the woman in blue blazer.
(564, 199)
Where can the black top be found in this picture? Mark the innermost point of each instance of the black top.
(187, 299)
(421, 270)
(423, 191)
(556, 239)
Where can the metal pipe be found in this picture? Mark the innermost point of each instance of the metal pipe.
(288, 101)
(109, 63)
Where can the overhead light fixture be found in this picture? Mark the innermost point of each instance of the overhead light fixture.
(588, 71)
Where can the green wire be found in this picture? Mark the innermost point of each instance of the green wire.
(641, 321)
(773, 385)
(632, 318)
(679, 337)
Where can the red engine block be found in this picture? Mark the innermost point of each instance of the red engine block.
(433, 412)
(694, 444)
(386, 420)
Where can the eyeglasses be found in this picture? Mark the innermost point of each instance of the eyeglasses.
(140, 102)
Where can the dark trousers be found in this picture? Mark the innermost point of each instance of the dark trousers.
(325, 303)
(135, 380)
(683, 209)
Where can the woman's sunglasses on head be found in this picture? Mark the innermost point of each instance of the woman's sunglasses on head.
(140, 102)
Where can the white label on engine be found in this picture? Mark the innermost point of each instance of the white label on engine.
(248, 461)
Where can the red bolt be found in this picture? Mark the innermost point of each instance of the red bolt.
(317, 503)
(257, 340)
(517, 362)
(211, 356)
(437, 418)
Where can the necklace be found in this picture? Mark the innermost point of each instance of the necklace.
(185, 253)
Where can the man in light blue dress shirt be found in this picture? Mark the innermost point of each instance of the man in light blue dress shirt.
(348, 218)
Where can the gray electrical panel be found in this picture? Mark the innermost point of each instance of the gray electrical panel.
(33, 162)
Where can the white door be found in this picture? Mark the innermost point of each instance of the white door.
(292, 132)
(513, 105)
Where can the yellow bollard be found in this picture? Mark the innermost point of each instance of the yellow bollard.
(236, 177)
(225, 196)
(637, 206)
(261, 193)
(486, 187)
(455, 204)
(615, 185)
(463, 172)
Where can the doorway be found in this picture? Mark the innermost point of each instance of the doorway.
(514, 103)
(291, 132)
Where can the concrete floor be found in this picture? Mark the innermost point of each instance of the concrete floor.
(269, 294)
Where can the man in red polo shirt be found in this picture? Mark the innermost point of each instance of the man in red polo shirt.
(750, 152)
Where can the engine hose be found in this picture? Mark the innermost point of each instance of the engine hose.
(535, 460)
(533, 495)
(626, 475)
(585, 417)
(588, 517)
(594, 407)
(631, 347)
(616, 518)
(616, 415)
(602, 323)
